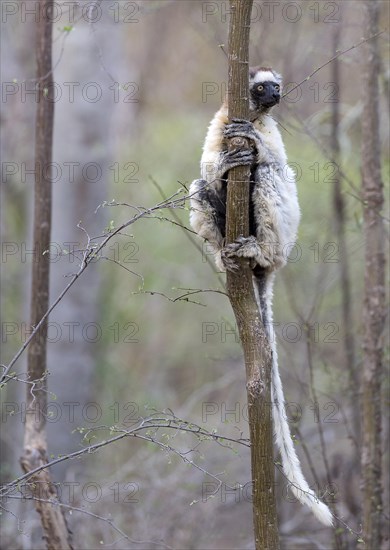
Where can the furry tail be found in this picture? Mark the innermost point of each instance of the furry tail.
(290, 460)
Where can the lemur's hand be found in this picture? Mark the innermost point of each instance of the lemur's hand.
(237, 157)
(244, 129)
(241, 128)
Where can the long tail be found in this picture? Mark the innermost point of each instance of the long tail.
(290, 460)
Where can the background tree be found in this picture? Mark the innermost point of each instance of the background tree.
(35, 454)
(374, 293)
(339, 208)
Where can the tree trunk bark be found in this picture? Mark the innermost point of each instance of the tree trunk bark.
(257, 352)
(42, 489)
(345, 283)
(374, 294)
(340, 218)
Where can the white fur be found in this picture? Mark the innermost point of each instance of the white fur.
(266, 76)
(210, 161)
(201, 219)
(290, 461)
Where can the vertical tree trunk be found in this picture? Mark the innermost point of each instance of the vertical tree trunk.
(339, 218)
(345, 282)
(257, 352)
(374, 294)
(35, 447)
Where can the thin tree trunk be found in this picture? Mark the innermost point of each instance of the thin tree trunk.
(374, 293)
(345, 282)
(340, 219)
(35, 446)
(257, 352)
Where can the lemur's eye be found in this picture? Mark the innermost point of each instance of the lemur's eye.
(277, 87)
(260, 88)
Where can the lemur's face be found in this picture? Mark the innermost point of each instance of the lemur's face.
(265, 90)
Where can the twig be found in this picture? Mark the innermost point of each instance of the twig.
(89, 254)
(88, 513)
(338, 54)
(182, 297)
(155, 421)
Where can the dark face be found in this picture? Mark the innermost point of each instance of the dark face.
(265, 94)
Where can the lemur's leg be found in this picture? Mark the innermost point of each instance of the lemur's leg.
(207, 212)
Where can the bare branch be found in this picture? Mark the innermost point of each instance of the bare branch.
(338, 54)
(90, 253)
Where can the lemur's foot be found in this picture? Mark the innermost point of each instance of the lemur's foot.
(246, 247)
(243, 247)
(228, 263)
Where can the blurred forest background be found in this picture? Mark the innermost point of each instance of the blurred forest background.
(136, 91)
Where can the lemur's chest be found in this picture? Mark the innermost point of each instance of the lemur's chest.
(271, 138)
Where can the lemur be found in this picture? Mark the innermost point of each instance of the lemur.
(273, 218)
